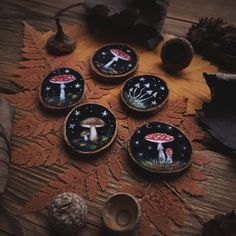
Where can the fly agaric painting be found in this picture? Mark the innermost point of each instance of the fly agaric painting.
(160, 148)
(114, 60)
(62, 88)
(89, 128)
(144, 93)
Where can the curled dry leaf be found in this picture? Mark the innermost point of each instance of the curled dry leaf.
(221, 225)
(132, 17)
(219, 115)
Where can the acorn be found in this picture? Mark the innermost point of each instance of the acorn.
(60, 43)
(67, 213)
(176, 54)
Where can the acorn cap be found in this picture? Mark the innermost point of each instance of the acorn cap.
(67, 213)
(62, 45)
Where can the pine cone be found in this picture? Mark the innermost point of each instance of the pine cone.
(215, 40)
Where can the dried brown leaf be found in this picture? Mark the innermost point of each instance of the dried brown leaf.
(200, 159)
(196, 174)
(188, 185)
(115, 168)
(91, 188)
(102, 177)
(144, 227)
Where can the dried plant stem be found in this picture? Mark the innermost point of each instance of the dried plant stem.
(185, 202)
(60, 32)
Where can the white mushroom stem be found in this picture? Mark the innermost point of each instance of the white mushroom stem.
(169, 159)
(161, 154)
(110, 62)
(62, 92)
(93, 134)
(141, 100)
(85, 137)
(140, 94)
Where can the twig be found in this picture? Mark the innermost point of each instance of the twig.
(185, 202)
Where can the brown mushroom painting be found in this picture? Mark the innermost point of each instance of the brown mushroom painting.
(114, 60)
(62, 88)
(90, 128)
(144, 93)
(160, 148)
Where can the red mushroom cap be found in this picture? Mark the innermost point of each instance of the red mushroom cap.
(159, 138)
(169, 151)
(120, 54)
(62, 78)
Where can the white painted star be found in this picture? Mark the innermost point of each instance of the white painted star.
(137, 142)
(162, 88)
(130, 65)
(104, 113)
(67, 71)
(77, 113)
(48, 88)
(142, 79)
(128, 50)
(147, 85)
(169, 127)
(72, 126)
(155, 94)
(149, 148)
(77, 85)
(104, 53)
(154, 103)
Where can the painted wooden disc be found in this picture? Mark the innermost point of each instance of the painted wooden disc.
(90, 128)
(160, 148)
(114, 61)
(62, 88)
(144, 93)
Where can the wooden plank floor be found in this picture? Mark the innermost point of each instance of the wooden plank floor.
(220, 186)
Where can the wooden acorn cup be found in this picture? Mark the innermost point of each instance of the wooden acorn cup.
(121, 213)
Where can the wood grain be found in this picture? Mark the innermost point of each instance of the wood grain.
(220, 186)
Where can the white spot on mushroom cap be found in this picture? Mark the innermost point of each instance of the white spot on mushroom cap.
(62, 79)
(120, 54)
(159, 138)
